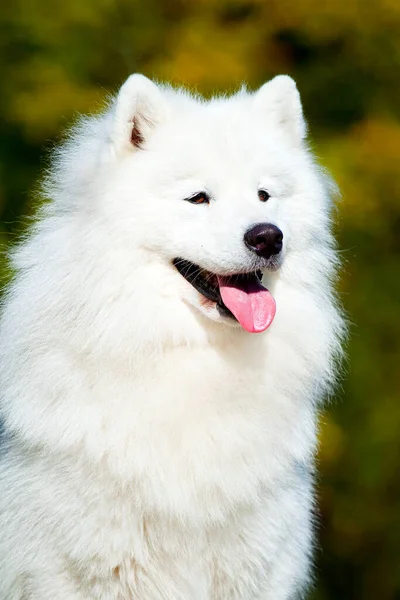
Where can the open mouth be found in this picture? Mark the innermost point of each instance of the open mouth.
(239, 296)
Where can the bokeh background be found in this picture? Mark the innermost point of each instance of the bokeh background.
(61, 58)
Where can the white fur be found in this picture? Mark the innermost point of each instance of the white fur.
(152, 449)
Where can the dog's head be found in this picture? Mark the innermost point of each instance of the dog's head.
(218, 193)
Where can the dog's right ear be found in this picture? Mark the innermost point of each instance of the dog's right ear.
(139, 107)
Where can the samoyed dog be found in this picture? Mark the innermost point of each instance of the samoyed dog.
(165, 344)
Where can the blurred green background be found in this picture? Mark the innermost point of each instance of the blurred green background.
(61, 58)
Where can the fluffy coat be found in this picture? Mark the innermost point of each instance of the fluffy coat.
(152, 450)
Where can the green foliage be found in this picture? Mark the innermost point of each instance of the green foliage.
(59, 59)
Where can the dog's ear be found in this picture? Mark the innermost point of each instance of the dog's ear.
(139, 107)
(279, 99)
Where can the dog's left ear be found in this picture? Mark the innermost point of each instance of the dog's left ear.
(139, 107)
(279, 100)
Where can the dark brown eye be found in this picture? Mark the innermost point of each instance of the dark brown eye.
(263, 195)
(200, 198)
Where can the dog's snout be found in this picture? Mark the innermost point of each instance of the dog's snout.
(265, 239)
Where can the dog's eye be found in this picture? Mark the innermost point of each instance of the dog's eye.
(263, 195)
(200, 198)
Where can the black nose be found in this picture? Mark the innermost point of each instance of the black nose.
(265, 239)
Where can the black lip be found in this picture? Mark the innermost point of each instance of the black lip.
(206, 284)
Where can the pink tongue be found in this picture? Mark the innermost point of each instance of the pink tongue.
(249, 301)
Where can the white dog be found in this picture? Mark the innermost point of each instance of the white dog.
(159, 402)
